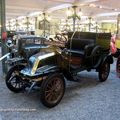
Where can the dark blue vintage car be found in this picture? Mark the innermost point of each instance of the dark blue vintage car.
(49, 67)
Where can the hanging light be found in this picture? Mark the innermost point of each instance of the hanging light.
(49, 18)
(100, 7)
(92, 5)
(43, 16)
(80, 13)
(115, 9)
(40, 18)
(74, 14)
(69, 12)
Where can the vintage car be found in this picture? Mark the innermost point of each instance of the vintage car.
(115, 46)
(49, 68)
(115, 50)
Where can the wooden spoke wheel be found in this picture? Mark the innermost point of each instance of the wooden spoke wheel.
(52, 90)
(13, 81)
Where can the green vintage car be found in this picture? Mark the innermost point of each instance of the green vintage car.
(49, 68)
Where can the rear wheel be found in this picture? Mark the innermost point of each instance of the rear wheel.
(52, 90)
(104, 71)
(95, 54)
(13, 81)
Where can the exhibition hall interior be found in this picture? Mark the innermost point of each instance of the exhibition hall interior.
(59, 59)
(89, 15)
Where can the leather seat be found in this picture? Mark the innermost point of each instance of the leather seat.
(76, 53)
(78, 47)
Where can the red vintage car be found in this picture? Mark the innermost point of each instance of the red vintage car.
(115, 50)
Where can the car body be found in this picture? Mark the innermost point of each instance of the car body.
(48, 68)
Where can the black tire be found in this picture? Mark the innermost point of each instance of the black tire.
(95, 54)
(104, 71)
(18, 85)
(52, 90)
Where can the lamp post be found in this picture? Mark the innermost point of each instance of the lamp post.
(118, 24)
(27, 23)
(90, 23)
(16, 24)
(66, 26)
(74, 15)
(9, 25)
(3, 33)
(36, 20)
(97, 27)
(44, 22)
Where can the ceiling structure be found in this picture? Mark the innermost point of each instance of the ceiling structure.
(100, 9)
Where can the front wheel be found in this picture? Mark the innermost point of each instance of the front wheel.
(13, 81)
(52, 90)
(104, 71)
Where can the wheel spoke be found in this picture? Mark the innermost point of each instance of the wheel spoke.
(47, 91)
(16, 82)
(47, 95)
(53, 90)
(15, 85)
(19, 85)
(50, 97)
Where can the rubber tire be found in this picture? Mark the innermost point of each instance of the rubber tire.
(101, 79)
(43, 87)
(94, 56)
(10, 87)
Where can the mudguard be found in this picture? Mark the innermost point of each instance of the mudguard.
(41, 72)
(109, 59)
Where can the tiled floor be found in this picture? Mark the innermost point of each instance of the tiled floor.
(86, 100)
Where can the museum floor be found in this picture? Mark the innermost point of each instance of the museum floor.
(86, 100)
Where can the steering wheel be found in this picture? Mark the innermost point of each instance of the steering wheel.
(61, 37)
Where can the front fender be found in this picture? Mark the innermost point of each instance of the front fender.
(40, 72)
(109, 59)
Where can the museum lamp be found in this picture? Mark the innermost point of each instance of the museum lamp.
(11, 24)
(8, 25)
(74, 14)
(16, 24)
(91, 23)
(27, 23)
(66, 26)
(44, 19)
